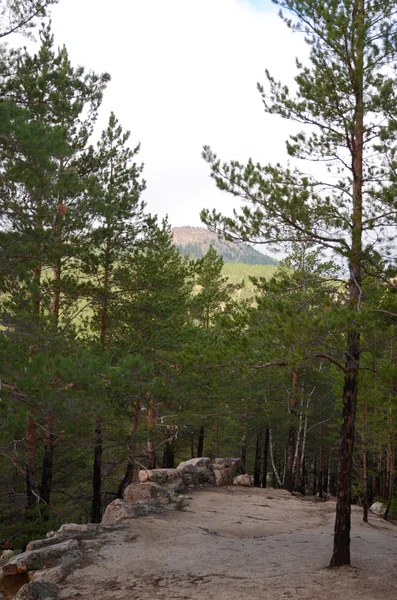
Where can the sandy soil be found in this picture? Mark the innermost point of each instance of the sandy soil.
(240, 544)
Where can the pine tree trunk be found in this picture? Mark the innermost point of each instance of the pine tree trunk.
(315, 475)
(169, 451)
(265, 458)
(276, 477)
(200, 444)
(391, 484)
(151, 450)
(96, 507)
(192, 444)
(244, 441)
(129, 472)
(289, 467)
(321, 465)
(48, 462)
(341, 551)
(297, 468)
(257, 464)
(217, 436)
(365, 466)
(30, 459)
(56, 300)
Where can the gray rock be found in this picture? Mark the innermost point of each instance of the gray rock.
(118, 511)
(202, 461)
(226, 469)
(37, 590)
(34, 560)
(244, 480)
(378, 509)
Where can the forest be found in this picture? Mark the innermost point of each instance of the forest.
(119, 353)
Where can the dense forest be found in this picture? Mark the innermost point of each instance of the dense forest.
(117, 352)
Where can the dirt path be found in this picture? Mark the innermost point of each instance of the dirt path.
(240, 544)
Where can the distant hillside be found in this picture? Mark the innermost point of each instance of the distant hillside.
(195, 242)
(236, 272)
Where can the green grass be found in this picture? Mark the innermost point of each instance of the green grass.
(237, 272)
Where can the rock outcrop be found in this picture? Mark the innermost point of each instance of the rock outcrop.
(244, 480)
(226, 469)
(378, 508)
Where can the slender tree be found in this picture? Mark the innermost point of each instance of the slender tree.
(347, 98)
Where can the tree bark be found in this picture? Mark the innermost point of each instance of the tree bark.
(365, 466)
(96, 507)
(48, 462)
(321, 465)
(169, 450)
(276, 477)
(341, 551)
(265, 458)
(151, 450)
(391, 483)
(289, 467)
(315, 475)
(30, 459)
(129, 472)
(200, 444)
(257, 465)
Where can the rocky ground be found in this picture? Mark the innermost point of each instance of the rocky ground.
(238, 543)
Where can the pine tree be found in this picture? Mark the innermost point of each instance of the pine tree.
(347, 98)
(20, 16)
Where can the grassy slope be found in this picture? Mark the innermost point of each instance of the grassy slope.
(237, 272)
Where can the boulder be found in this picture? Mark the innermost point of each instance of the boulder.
(378, 509)
(160, 476)
(66, 552)
(226, 469)
(242, 480)
(54, 575)
(134, 492)
(118, 510)
(197, 470)
(201, 461)
(170, 478)
(37, 590)
(206, 475)
(149, 491)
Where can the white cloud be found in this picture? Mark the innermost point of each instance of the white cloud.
(184, 74)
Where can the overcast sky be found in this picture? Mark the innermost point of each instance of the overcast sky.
(184, 74)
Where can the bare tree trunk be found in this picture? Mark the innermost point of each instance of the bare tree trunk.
(244, 441)
(150, 443)
(200, 444)
(321, 466)
(257, 464)
(265, 458)
(48, 462)
(276, 475)
(315, 475)
(30, 459)
(129, 473)
(169, 450)
(289, 464)
(192, 444)
(391, 483)
(217, 436)
(297, 470)
(96, 507)
(365, 466)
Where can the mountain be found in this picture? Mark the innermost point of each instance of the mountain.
(195, 242)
